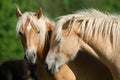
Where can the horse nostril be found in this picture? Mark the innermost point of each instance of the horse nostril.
(46, 66)
(25, 57)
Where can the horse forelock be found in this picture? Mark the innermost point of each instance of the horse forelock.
(40, 24)
(93, 22)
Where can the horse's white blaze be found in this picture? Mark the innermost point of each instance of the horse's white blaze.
(29, 27)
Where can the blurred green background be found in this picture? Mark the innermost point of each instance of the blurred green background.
(10, 45)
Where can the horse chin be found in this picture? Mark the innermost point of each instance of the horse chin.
(31, 60)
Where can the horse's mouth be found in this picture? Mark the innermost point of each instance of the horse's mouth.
(53, 69)
(31, 59)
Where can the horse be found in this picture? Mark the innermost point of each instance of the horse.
(17, 70)
(35, 30)
(100, 72)
(91, 31)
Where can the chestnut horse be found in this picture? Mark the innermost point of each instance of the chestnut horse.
(35, 30)
(92, 69)
(92, 31)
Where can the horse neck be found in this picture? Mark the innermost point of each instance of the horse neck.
(84, 45)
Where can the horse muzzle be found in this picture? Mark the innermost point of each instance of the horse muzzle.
(30, 57)
(53, 69)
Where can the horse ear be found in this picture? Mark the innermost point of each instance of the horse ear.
(39, 13)
(18, 12)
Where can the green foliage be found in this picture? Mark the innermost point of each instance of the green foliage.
(10, 46)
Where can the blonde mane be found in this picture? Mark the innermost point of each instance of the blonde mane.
(40, 24)
(93, 24)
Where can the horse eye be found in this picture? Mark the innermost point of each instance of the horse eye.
(38, 32)
(58, 41)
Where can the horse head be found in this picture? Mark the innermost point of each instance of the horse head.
(33, 29)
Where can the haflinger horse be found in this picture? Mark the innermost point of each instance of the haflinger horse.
(92, 31)
(35, 30)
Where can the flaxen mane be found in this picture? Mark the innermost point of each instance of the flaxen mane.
(93, 24)
(40, 24)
